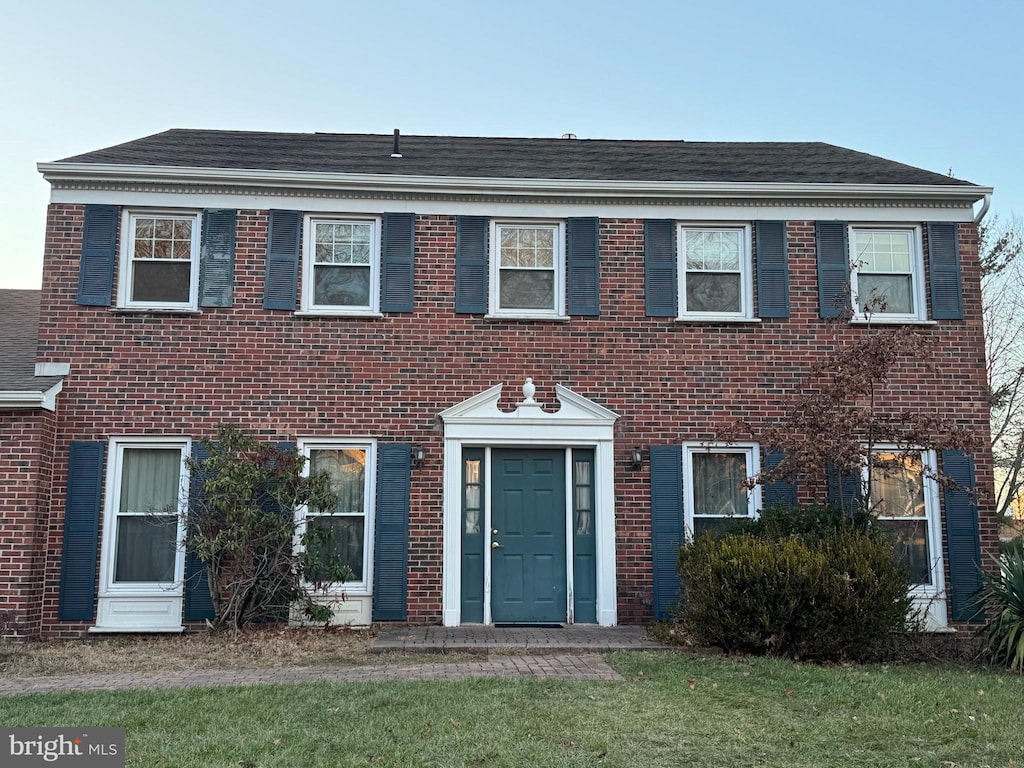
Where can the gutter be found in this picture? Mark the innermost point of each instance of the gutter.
(985, 203)
(27, 399)
(105, 173)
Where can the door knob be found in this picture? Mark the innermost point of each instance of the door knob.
(495, 545)
(495, 531)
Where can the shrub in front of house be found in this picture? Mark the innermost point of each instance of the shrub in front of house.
(804, 583)
(1002, 596)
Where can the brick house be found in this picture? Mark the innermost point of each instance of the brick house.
(512, 355)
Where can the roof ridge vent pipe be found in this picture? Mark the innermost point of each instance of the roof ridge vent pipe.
(395, 152)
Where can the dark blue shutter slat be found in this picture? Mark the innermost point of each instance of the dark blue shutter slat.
(845, 489)
(81, 532)
(99, 249)
(391, 532)
(282, 275)
(962, 537)
(397, 249)
(772, 269)
(217, 258)
(198, 604)
(660, 268)
(944, 272)
(666, 524)
(583, 272)
(471, 234)
(833, 267)
(780, 492)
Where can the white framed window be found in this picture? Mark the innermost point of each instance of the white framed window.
(159, 260)
(905, 499)
(713, 485)
(351, 465)
(147, 494)
(715, 271)
(341, 265)
(527, 269)
(887, 272)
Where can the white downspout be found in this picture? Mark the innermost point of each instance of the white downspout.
(985, 203)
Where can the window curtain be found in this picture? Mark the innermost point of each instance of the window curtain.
(147, 515)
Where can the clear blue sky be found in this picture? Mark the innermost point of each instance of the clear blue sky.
(936, 84)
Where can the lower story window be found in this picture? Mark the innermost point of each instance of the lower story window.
(148, 498)
(344, 532)
(904, 501)
(714, 486)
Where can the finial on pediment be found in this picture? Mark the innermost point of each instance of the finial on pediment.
(528, 392)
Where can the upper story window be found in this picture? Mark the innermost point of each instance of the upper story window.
(527, 269)
(905, 500)
(715, 272)
(713, 484)
(341, 266)
(887, 272)
(159, 260)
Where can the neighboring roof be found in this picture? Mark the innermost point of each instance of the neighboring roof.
(511, 158)
(19, 318)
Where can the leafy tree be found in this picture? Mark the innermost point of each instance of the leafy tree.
(1002, 284)
(242, 525)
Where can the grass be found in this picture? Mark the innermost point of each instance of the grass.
(671, 709)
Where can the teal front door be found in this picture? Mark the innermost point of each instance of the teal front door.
(528, 518)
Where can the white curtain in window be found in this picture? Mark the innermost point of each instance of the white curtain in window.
(147, 515)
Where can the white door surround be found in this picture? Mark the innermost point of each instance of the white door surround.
(578, 423)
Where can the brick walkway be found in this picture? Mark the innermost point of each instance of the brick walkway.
(476, 638)
(564, 653)
(585, 666)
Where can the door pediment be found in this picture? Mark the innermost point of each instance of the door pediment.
(574, 411)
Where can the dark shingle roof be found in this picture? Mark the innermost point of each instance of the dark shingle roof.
(19, 318)
(463, 156)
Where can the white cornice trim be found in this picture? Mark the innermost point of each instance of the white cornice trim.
(18, 400)
(396, 183)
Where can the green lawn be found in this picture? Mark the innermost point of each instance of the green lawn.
(671, 710)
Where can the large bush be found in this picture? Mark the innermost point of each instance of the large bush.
(831, 590)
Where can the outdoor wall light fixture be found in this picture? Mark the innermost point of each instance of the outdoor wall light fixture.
(418, 455)
(637, 458)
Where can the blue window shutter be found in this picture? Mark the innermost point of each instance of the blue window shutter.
(396, 273)
(471, 277)
(962, 536)
(217, 258)
(944, 272)
(282, 260)
(845, 489)
(198, 604)
(833, 267)
(660, 284)
(81, 532)
(666, 524)
(391, 532)
(772, 269)
(583, 267)
(781, 492)
(99, 249)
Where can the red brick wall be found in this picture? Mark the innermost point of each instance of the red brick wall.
(26, 454)
(285, 376)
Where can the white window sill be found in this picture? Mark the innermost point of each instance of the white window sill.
(135, 630)
(331, 313)
(534, 318)
(156, 311)
(891, 321)
(716, 319)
